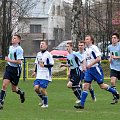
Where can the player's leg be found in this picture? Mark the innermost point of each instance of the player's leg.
(3, 92)
(99, 78)
(14, 84)
(91, 90)
(43, 87)
(45, 98)
(114, 77)
(84, 95)
(20, 92)
(110, 89)
(38, 92)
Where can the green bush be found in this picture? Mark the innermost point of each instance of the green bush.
(106, 67)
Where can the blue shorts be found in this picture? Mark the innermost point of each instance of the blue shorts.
(94, 73)
(82, 76)
(42, 83)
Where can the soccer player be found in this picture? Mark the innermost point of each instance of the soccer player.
(114, 60)
(74, 60)
(13, 70)
(93, 72)
(81, 47)
(44, 62)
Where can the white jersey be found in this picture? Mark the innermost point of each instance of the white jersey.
(44, 72)
(92, 52)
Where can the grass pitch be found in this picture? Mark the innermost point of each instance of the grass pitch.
(61, 102)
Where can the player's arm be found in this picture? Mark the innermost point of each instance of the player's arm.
(84, 65)
(13, 61)
(97, 60)
(35, 71)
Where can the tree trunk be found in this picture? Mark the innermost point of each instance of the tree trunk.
(76, 33)
(4, 44)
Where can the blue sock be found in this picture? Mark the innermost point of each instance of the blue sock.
(83, 97)
(112, 90)
(45, 98)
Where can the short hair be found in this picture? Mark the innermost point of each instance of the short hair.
(45, 42)
(116, 34)
(81, 41)
(17, 36)
(91, 37)
(70, 43)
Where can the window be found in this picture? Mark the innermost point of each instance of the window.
(58, 10)
(35, 28)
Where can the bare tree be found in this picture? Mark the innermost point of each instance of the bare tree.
(76, 11)
(10, 11)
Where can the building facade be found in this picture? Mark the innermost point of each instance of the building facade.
(46, 21)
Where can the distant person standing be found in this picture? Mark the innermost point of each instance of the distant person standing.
(93, 72)
(44, 63)
(114, 60)
(13, 70)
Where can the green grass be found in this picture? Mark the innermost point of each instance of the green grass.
(61, 102)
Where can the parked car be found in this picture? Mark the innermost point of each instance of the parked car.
(60, 51)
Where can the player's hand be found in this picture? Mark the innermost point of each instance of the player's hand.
(7, 59)
(68, 75)
(33, 74)
(41, 64)
(114, 57)
(88, 66)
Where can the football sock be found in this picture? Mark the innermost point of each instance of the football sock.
(40, 95)
(114, 87)
(83, 97)
(19, 91)
(112, 90)
(77, 93)
(45, 98)
(2, 96)
(92, 92)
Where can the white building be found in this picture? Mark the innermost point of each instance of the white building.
(47, 20)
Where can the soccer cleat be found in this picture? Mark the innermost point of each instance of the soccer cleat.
(1, 106)
(117, 96)
(114, 101)
(22, 97)
(79, 107)
(41, 103)
(77, 101)
(94, 99)
(44, 106)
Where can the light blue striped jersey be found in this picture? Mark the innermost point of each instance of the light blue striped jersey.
(74, 59)
(115, 50)
(15, 53)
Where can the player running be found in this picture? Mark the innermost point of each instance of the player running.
(93, 72)
(74, 60)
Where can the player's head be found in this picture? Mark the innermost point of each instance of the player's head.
(89, 40)
(115, 38)
(16, 39)
(43, 45)
(81, 45)
(69, 46)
